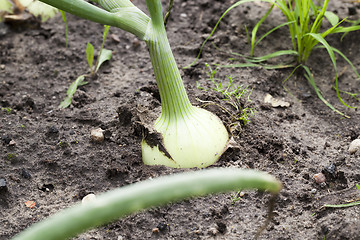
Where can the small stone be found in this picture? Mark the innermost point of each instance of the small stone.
(330, 171)
(6, 139)
(97, 135)
(221, 227)
(115, 37)
(354, 146)
(183, 15)
(12, 143)
(88, 198)
(313, 191)
(2, 183)
(30, 204)
(155, 230)
(213, 231)
(2, 66)
(319, 178)
(275, 102)
(162, 226)
(25, 174)
(120, 238)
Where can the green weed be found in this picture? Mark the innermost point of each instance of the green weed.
(104, 55)
(237, 96)
(304, 20)
(7, 110)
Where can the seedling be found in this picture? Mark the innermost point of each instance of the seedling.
(104, 55)
(236, 197)
(183, 136)
(305, 36)
(133, 198)
(6, 109)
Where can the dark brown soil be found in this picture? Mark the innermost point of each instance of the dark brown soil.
(54, 163)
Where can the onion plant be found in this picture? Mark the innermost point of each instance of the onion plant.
(135, 197)
(304, 20)
(183, 136)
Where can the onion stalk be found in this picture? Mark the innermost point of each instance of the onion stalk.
(183, 136)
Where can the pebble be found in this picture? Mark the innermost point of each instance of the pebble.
(97, 135)
(354, 146)
(2, 183)
(313, 191)
(88, 198)
(6, 139)
(25, 174)
(53, 130)
(155, 230)
(162, 226)
(213, 231)
(12, 143)
(275, 102)
(319, 178)
(330, 171)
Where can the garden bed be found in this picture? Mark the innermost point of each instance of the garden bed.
(53, 162)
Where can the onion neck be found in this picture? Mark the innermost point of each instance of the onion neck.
(174, 100)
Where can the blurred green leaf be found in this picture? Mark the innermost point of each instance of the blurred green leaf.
(5, 6)
(38, 8)
(90, 55)
(332, 18)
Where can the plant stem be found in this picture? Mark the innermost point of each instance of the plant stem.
(174, 100)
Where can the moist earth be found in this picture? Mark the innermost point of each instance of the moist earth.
(47, 156)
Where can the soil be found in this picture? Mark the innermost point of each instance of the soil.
(55, 164)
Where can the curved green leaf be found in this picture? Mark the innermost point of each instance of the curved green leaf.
(332, 18)
(104, 56)
(135, 197)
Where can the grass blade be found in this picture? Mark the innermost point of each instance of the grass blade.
(320, 39)
(66, 28)
(254, 31)
(240, 65)
(135, 197)
(342, 205)
(346, 29)
(310, 78)
(272, 55)
(217, 24)
(345, 58)
(272, 30)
